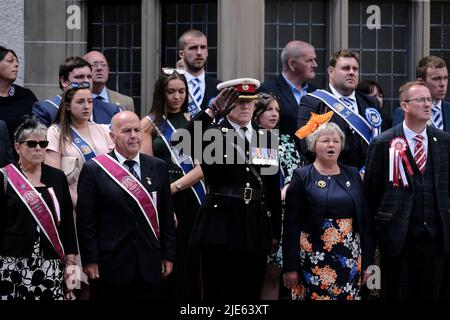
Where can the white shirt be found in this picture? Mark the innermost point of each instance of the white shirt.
(137, 163)
(103, 94)
(248, 133)
(352, 96)
(409, 135)
(202, 84)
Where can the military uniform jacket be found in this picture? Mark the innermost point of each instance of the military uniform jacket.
(227, 221)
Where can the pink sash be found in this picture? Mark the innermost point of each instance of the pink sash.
(133, 187)
(37, 207)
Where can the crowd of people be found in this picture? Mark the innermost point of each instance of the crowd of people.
(281, 190)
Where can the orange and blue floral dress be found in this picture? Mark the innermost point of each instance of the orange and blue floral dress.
(330, 262)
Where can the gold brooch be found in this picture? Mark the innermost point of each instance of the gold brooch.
(321, 184)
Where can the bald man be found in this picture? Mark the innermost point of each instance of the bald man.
(298, 60)
(125, 222)
(100, 75)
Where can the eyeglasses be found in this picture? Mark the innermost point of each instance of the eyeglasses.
(80, 85)
(170, 71)
(33, 143)
(421, 100)
(99, 64)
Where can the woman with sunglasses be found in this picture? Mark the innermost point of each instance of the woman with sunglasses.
(73, 140)
(168, 114)
(37, 233)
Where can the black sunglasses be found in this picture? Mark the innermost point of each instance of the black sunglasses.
(80, 85)
(33, 143)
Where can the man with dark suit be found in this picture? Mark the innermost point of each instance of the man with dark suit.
(100, 75)
(298, 60)
(239, 221)
(74, 69)
(193, 49)
(433, 71)
(125, 223)
(407, 188)
(6, 155)
(354, 112)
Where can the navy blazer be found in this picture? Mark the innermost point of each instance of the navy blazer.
(288, 105)
(113, 231)
(210, 91)
(6, 155)
(355, 149)
(398, 115)
(390, 206)
(302, 215)
(46, 110)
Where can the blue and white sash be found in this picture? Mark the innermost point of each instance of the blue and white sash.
(366, 128)
(184, 162)
(81, 146)
(55, 101)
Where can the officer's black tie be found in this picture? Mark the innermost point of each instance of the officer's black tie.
(130, 165)
(244, 137)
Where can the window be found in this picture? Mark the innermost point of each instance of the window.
(440, 31)
(295, 20)
(383, 52)
(179, 16)
(114, 28)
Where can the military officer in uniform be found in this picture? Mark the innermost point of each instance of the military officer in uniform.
(239, 221)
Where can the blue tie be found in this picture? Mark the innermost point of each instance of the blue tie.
(348, 102)
(130, 164)
(437, 118)
(196, 95)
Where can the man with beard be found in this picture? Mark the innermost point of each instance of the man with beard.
(357, 114)
(193, 49)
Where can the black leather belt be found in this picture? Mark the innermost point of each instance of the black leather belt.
(246, 194)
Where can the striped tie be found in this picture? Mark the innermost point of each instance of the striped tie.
(196, 95)
(348, 102)
(419, 153)
(437, 117)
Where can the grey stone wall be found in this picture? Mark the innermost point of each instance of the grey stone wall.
(12, 31)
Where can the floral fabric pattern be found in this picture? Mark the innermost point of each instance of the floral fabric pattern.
(32, 278)
(331, 266)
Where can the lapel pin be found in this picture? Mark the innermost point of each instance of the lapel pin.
(347, 184)
(149, 181)
(434, 139)
(321, 184)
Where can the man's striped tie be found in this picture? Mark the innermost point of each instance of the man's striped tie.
(419, 153)
(437, 117)
(196, 95)
(348, 102)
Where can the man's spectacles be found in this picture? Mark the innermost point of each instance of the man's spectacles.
(99, 64)
(421, 100)
(80, 85)
(33, 143)
(170, 71)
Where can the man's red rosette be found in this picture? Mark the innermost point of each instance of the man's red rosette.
(397, 160)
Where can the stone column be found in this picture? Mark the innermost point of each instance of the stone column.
(151, 51)
(240, 39)
(12, 31)
(54, 31)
